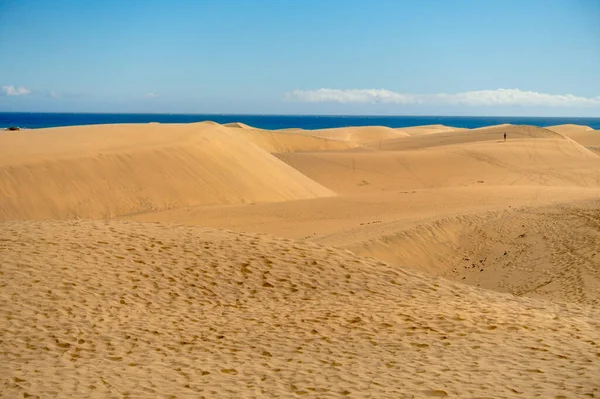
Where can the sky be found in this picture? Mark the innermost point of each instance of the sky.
(348, 57)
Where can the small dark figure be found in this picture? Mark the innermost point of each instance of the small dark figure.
(504, 136)
(13, 128)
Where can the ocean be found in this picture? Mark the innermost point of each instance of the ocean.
(273, 122)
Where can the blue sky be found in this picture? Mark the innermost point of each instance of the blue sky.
(443, 57)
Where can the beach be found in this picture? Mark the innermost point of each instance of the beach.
(223, 260)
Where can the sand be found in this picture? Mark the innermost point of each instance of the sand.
(583, 135)
(105, 171)
(525, 162)
(208, 260)
(428, 129)
(360, 135)
(289, 142)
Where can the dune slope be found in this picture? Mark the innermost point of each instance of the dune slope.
(428, 129)
(465, 136)
(286, 142)
(550, 252)
(103, 171)
(113, 309)
(584, 135)
(569, 128)
(531, 161)
(361, 135)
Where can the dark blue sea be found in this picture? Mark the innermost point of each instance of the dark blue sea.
(42, 120)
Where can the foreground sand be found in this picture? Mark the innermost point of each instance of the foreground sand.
(140, 310)
(229, 261)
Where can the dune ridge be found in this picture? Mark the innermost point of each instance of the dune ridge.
(361, 135)
(583, 135)
(104, 171)
(464, 136)
(428, 129)
(286, 142)
(569, 128)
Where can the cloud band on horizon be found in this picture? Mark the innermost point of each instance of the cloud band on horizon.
(470, 98)
(10, 90)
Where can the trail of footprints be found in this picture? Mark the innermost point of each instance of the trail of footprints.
(126, 310)
(550, 252)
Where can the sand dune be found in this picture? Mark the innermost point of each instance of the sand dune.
(584, 135)
(284, 142)
(360, 135)
(398, 263)
(594, 148)
(569, 129)
(238, 125)
(95, 309)
(524, 251)
(542, 162)
(463, 136)
(428, 129)
(103, 171)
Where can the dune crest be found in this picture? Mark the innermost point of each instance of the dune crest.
(428, 129)
(238, 125)
(569, 128)
(105, 171)
(583, 135)
(361, 135)
(278, 141)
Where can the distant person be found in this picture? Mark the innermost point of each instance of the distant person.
(504, 136)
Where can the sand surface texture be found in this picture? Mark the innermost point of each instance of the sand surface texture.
(584, 135)
(226, 261)
(101, 172)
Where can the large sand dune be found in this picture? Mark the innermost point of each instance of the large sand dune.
(540, 162)
(95, 309)
(398, 263)
(584, 135)
(569, 129)
(550, 252)
(104, 171)
(362, 135)
(464, 136)
(285, 142)
(428, 129)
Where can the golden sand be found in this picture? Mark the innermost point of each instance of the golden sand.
(225, 261)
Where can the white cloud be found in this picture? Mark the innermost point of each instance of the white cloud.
(352, 96)
(471, 98)
(151, 95)
(15, 91)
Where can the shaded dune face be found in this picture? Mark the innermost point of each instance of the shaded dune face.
(548, 252)
(105, 171)
(104, 309)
